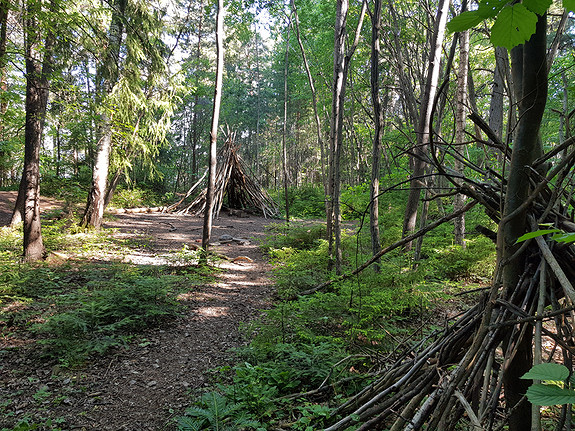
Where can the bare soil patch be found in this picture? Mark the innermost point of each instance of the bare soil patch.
(145, 386)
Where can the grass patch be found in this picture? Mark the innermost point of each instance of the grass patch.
(85, 306)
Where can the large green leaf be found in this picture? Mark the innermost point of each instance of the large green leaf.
(535, 234)
(537, 6)
(569, 5)
(548, 371)
(490, 8)
(464, 21)
(514, 25)
(549, 395)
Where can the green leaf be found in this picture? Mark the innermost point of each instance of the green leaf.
(537, 6)
(564, 237)
(536, 234)
(514, 25)
(569, 5)
(549, 395)
(548, 371)
(490, 8)
(464, 21)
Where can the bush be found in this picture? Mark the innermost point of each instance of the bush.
(106, 316)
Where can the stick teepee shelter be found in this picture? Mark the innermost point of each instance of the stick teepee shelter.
(232, 182)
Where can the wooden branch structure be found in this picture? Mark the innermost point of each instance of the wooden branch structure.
(453, 380)
(232, 182)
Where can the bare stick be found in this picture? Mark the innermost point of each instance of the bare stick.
(553, 264)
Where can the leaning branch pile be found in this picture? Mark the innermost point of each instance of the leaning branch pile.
(232, 181)
(453, 378)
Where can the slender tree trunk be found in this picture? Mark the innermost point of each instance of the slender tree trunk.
(208, 214)
(340, 71)
(311, 83)
(4, 7)
(378, 126)
(497, 96)
(530, 83)
(285, 131)
(195, 126)
(460, 111)
(37, 91)
(420, 152)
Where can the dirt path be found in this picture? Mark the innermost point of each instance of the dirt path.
(143, 387)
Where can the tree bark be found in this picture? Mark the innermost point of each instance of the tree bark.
(4, 7)
(38, 69)
(284, 131)
(311, 83)
(530, 83)
(497, 97)
(340, 71)
(209, 209)
(420, 152)
(378, 131)
(459, 199)
(107, 75)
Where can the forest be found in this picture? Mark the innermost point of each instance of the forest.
(287, 215)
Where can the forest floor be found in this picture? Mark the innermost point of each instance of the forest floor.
(144, 386)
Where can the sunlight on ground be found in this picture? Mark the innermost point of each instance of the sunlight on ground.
(213, 311)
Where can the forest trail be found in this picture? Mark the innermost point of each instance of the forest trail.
(143, 387)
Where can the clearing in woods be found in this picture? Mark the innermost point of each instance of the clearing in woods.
(142, 387)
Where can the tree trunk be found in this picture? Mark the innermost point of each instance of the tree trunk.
(209, 210)
(378, 130)
(340, 71)
(284, 131)
(37, 91)
(94, 213)
(530, 84)
(311, 83)
(497, 95)
(4, 7)
(107, 75)
(459, 199)
(420, 152)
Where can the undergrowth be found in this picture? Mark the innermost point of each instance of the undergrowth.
(307, 353)
(83, 306)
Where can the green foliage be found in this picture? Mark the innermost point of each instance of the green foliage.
(476, 261)
(63, 188)
(554, 390)
(128, 198)
(105, 316)
(256, 390)
(536, 234)
(307, 201)
(514, 23)
(514, 26)
(215, 412)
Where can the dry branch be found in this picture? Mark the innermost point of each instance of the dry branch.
(457, 376)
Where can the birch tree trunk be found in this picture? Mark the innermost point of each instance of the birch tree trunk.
(209, 210)
(420, 152)
(460, 112)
